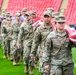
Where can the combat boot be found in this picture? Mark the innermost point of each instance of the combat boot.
(8, 56)
(26, 69)
(36, 66)
(4, 56)
(31, 70)
(21, 58)
(11, 57)
(15, 63)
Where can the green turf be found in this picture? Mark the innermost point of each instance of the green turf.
(6, 67)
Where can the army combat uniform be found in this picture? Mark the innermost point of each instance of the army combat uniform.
(57, 52)
(26, 32)
(7, 32)
(16, 26)
(39, 39)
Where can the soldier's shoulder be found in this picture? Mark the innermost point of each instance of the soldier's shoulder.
(22, 25)
(14, 22)
(41, 27)
(51, 35)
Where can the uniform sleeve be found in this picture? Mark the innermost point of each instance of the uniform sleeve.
(3, 31)
(47, 51)
(14, 26)
(20, 35)
(36, 41)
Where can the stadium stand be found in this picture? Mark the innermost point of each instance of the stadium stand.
(1, 3)
(71, 12)
(38, 5)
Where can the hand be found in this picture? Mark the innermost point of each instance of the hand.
(47, 67)
(32, 57)
(19, 46)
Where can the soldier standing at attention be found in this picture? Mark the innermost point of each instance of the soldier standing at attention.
(39, 37)
(57, 57)
(26, 33)
(16, 26)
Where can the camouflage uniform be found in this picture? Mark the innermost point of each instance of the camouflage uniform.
(40, 37)
(3, 24)
(57, 51)
(26, 32)
(7, 32)
(3, 34)
(16, 26)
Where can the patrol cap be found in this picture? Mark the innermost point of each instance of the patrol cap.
(50, 9)
(18, 14)
(9, 19)
(10, 15)
(27, 13)
(33, 12)
(7, 14)
(54, 14)
(60, 18)
(47, 13)
(24, 9)
(3, 10)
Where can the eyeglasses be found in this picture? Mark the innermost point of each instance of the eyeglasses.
(61, 22)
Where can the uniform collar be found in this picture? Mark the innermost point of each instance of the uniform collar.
(47, 26)
(61, 34)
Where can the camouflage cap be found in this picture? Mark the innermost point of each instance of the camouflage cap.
(27, 13)
(3, 10)
(54, 14)
(33, 12)
(47, 13)
(60, 18)
(24, 9)
(18, 14)
(9, 19)
(7, 14)
(50, 9)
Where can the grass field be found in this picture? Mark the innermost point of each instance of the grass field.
(6, 67)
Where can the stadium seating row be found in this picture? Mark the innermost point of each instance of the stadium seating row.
(38, 5)
(71, 12)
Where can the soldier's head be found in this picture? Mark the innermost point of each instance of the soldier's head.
(54, 14)
(28, 16)
(47, 17)
(24, 10)
(9, 20)
(50, 10)
(18, 15)
(33, 14)
(60, 22)
(7, 14)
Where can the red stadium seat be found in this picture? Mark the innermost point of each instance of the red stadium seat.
(38, 5)
(71, 12)
(1, 3)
